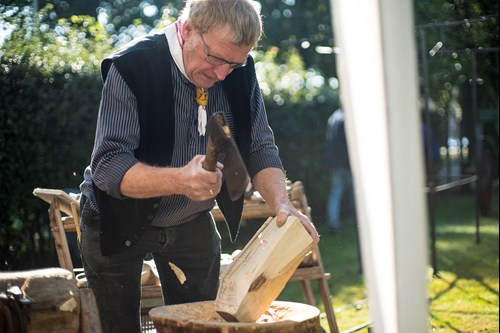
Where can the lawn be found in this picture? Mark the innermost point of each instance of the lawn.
(463, 297)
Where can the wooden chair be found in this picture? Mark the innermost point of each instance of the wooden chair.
(315, 269)
(63, 217)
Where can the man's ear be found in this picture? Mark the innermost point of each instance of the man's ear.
(187, 31)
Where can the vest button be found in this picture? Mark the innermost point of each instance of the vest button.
(155, 206)
(128, 243)
(150, 217)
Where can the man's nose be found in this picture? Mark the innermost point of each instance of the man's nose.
(222, 71)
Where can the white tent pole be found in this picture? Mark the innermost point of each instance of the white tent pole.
(378, 78)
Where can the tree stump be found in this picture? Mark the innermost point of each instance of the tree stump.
(55, 298)
(201, 317)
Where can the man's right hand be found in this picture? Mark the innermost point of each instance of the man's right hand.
(198, 184)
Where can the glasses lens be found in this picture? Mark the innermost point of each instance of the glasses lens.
(214, 60)
(235, 66)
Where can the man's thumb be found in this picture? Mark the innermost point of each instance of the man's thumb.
(281, 219)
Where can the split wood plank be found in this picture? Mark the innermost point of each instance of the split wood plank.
(260, 272)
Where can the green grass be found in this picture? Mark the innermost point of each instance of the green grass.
(463, 297)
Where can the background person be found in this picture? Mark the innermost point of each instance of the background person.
(337, 162)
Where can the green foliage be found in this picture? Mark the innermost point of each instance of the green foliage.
(427, 11)
(457, 43)
(127, 19)
(298, 103)
(49, 96)
(299, 26)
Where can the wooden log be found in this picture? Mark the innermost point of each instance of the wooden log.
(201, 317)
(260, 272)
(89, 316)
(55, 298)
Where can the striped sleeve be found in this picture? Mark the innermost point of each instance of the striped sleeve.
(117, 135)
(263, 151)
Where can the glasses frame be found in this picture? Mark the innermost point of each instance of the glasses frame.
(218, 61)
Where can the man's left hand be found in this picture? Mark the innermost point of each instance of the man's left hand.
(286, 211)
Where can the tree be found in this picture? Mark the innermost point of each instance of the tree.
(458, 48)
(300, 26)
(49, 96)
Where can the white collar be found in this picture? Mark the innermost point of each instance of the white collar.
(175, 43)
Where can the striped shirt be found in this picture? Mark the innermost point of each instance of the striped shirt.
(117, 136)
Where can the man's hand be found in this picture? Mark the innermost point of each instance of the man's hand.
(271, 185)
(288, 210)
(197, 183)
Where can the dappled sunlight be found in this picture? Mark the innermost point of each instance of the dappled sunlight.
(486, 230)
(464, 295)
(471, 303)
(289, 81)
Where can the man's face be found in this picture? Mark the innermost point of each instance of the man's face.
(210, 57)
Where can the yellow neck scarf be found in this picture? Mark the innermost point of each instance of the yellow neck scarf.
(202, 100)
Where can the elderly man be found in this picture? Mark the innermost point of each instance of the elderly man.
(145, 190)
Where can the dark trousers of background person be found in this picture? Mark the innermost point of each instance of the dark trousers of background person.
(341, 186)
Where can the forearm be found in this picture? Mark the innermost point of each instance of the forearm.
(271, 184)
(145, 181)
(191, 180)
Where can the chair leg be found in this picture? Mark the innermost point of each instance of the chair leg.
(327, 303)
(59, 233)
(76, 220)
(308, 293)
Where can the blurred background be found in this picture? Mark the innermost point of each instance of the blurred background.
(50, 85)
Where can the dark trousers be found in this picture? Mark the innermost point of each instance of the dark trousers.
(194, 247)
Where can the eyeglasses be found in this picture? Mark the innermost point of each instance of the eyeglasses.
(216, 61)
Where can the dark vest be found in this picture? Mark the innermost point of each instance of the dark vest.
(146, 68)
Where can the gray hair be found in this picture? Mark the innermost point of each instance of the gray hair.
(240, 16)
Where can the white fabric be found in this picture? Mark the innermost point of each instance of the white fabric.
(202, 120)
(175, 43)
(379, 95)
(174, 39)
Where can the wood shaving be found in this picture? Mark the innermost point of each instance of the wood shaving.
(178, 272)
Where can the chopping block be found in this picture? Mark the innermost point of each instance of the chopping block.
(259, 273)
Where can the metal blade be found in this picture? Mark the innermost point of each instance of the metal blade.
(235, 173)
